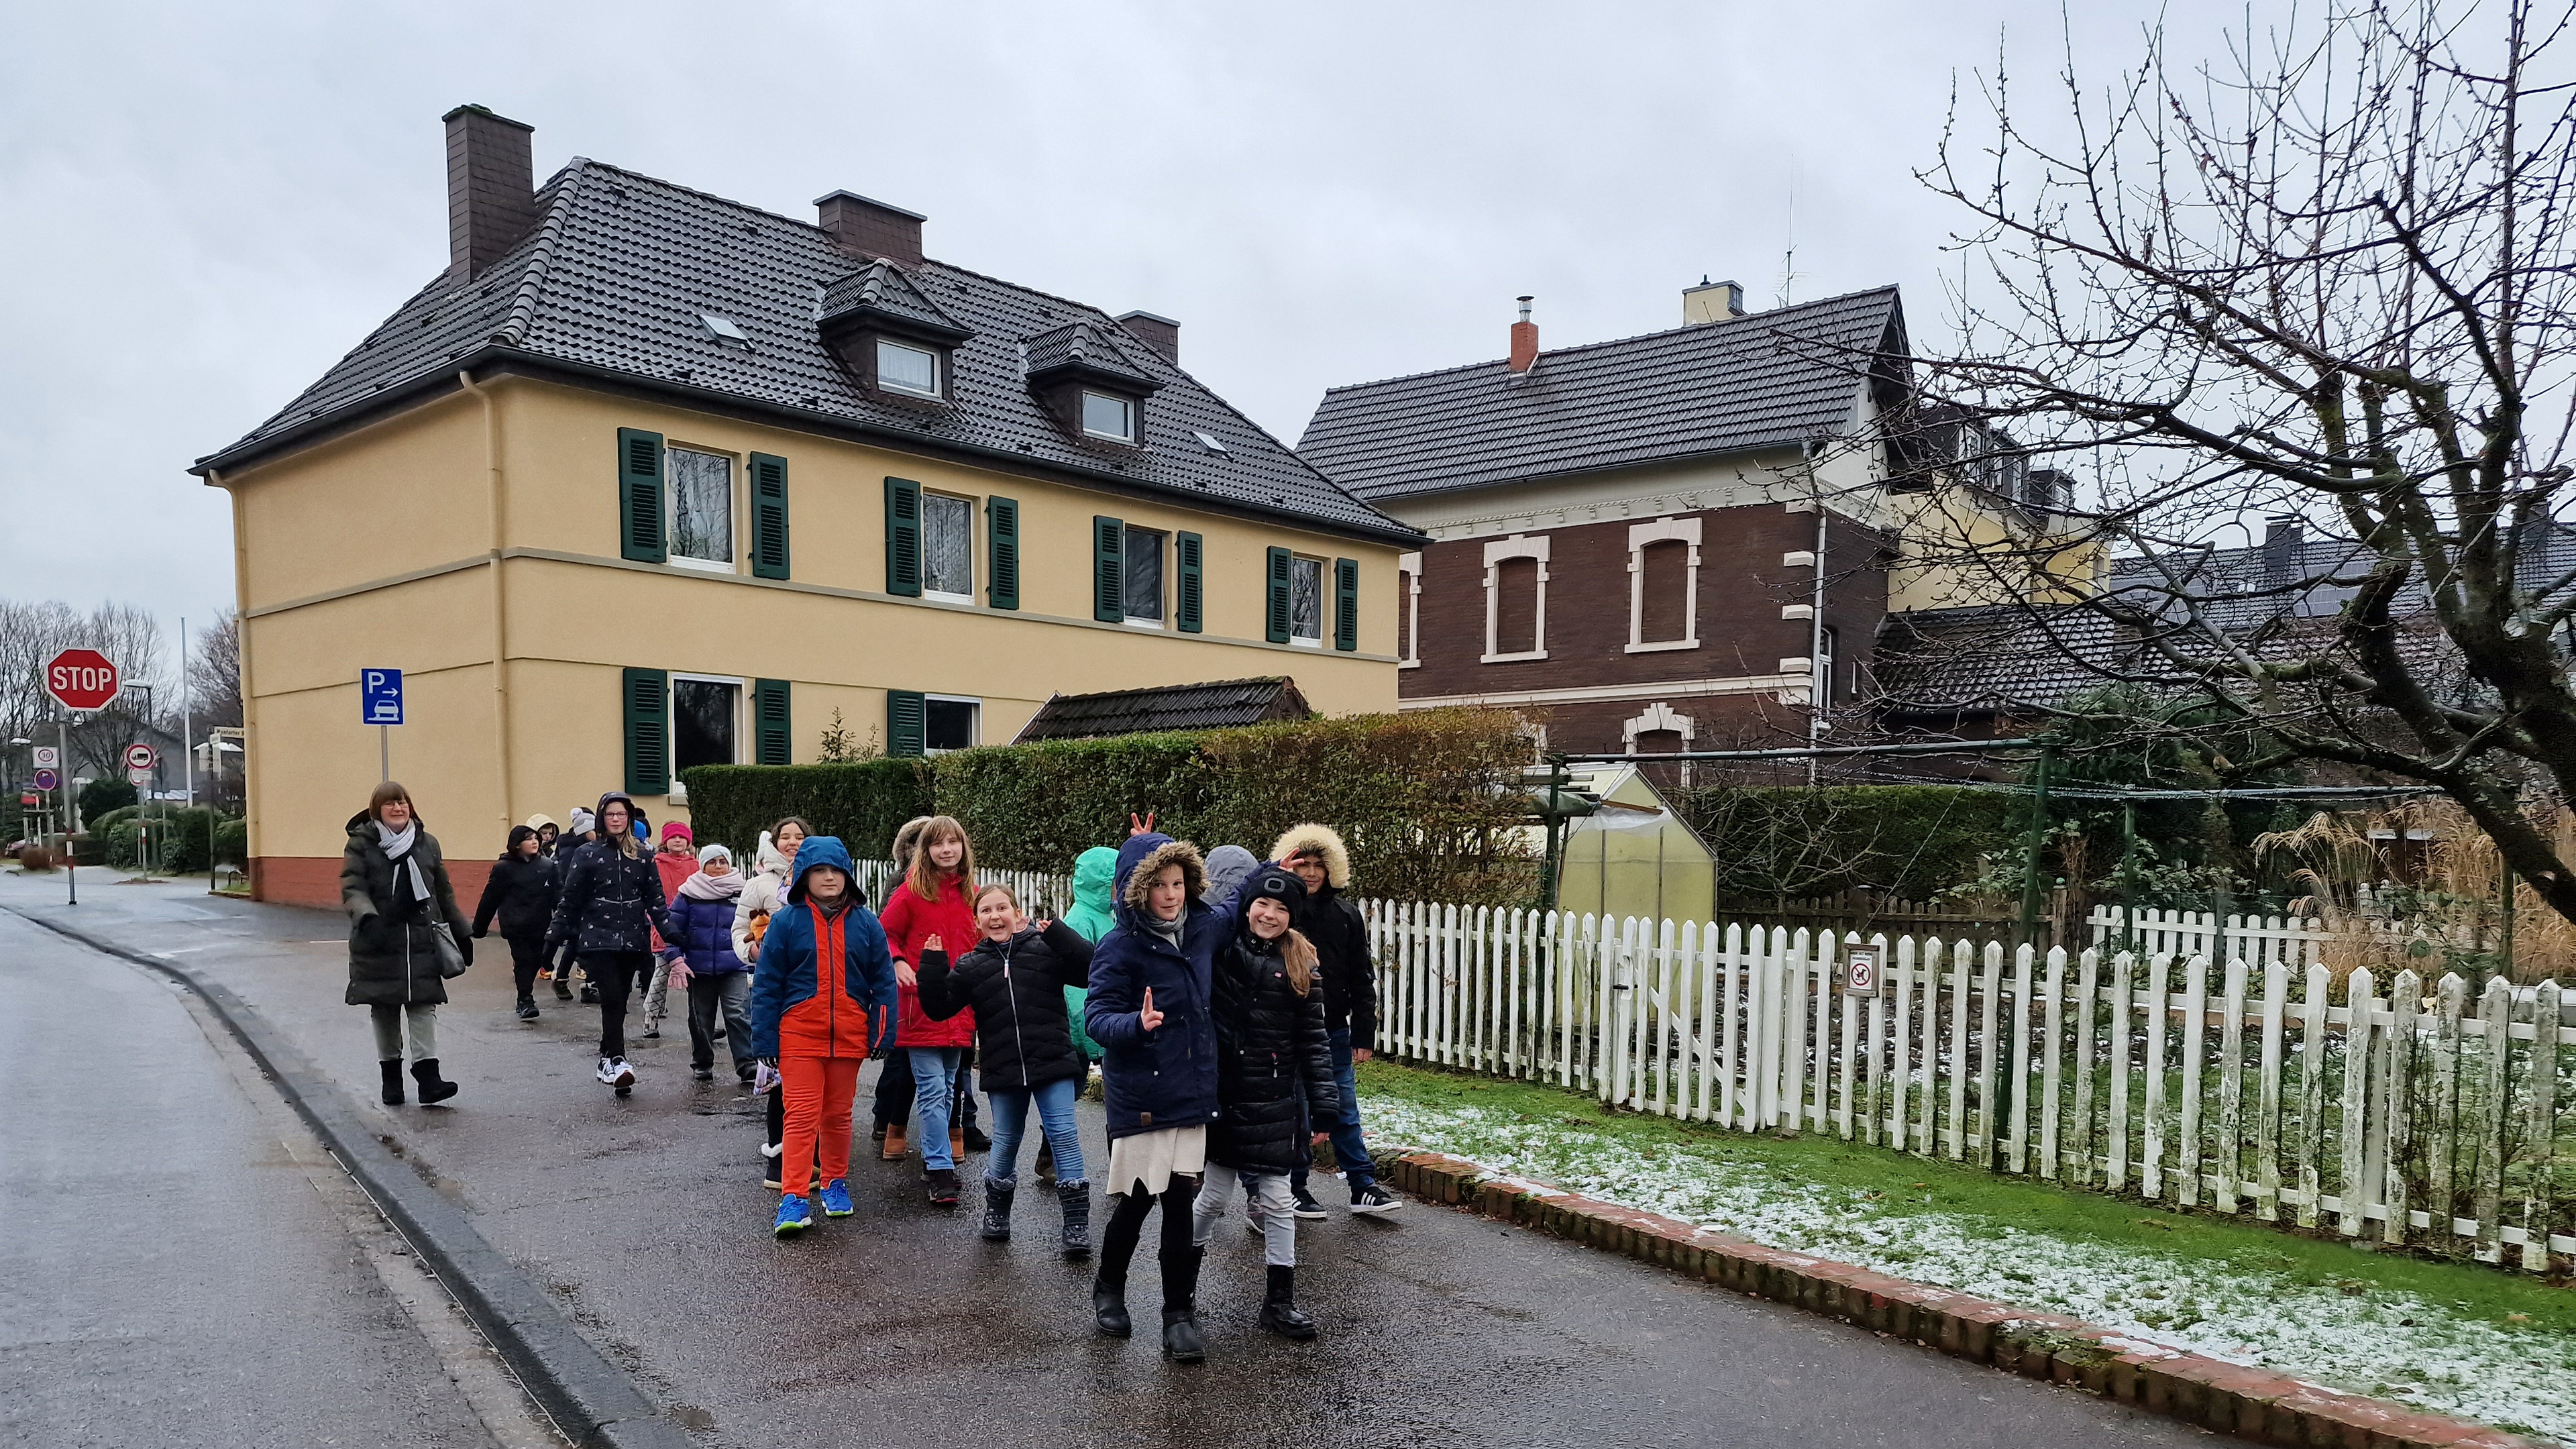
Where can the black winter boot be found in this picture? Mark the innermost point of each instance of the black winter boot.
(392, 1069)
(1076, 1200)
(432, 1089)
(997, 1210)
(1279, 1310)
(1181, 1341)
(1109, 1302)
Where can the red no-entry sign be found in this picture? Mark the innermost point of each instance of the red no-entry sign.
(82, 679)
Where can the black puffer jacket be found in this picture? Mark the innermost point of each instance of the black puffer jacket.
(608, 898)
(521, 892)
(1267, 1038)
(1023, 1033)
(392, 960)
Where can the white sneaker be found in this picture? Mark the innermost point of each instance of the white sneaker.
(625, 1074)
(613, 1072)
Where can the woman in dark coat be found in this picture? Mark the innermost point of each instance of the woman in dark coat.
(610, 906)
(393, 883)
(521, 892)
(1270, 1042)
(1014, 980)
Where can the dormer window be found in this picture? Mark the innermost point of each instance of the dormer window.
(1108, 416)
(903, 367)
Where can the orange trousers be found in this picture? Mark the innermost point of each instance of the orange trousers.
(819, 1091)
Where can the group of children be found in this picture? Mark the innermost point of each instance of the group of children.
(1222, 1027)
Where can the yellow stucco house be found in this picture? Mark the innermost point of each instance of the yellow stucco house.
(648, 479)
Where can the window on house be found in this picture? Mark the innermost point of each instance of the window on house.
(1663, 592)
(703, 717)
(948, 723)
(1106, 416)
(1516, 606)
(1306, 602)
(1142, 577)
(906, 368)
(1409, 609)
(701, 506)
(1825, 655)
(948, 548)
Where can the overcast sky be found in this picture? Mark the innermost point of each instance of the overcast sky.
(202, 206)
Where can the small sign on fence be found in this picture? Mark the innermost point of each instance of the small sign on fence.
(1860, 971)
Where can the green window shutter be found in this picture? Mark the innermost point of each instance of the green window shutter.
(771, 742)
(903, 537)
(907, 723)
(768, 517)
(1002, 543)
(1276, 614)
(1108, 570)
(639, 496)
(648, 732)
(1190, 600)
(1346, 603)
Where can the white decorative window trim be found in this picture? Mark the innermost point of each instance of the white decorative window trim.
(1657, 716)
(1640, 535)
(1408, 569)
(1497, 553)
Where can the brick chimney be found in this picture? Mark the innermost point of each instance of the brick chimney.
(869, 230)
(1712, 302)
(1159, 333)
(491, 188)
(1524, 340)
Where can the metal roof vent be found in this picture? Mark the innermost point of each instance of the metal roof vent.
(725, 330)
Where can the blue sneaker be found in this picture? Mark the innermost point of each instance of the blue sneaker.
(836, 1198)
(794, 1217)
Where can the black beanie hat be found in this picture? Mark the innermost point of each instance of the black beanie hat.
(1280, 884)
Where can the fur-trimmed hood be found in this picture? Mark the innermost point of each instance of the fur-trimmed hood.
(1143, 858)
(1337, 856)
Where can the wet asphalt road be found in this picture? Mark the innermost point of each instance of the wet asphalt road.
(898, 1326)
(168, 1275)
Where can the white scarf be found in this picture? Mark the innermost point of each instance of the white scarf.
(397, 847)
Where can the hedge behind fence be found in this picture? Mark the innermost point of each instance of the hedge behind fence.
(1428, 800)
(1910, 841)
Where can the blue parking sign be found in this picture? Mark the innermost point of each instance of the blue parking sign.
(380, 700)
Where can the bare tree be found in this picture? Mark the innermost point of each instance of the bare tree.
(214, 671)
(2328, 276)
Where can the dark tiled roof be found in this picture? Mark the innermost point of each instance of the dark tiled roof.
(1773, 378)
(1221, 705)
(882, 288)
(1085, 346)
(1997, 657)
(620, 267)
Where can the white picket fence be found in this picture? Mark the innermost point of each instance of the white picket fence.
(2259, 1087)
(2243, 1089)
(1039, 894)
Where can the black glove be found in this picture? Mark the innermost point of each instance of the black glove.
(465, 949)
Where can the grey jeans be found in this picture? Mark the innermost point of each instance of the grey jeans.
(1265, 1200)
(388, 1021)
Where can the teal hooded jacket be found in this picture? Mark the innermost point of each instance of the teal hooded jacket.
(1094, 872)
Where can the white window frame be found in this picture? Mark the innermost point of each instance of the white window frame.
(671, 712)
(939, 595)
(671, 511)
(1088, 431)
(1657, 716)
(1163, 600)
(1640, 535)
(1828, 644)
(1323, 569)
(938, 372)
(975, 733)
(1408, 570)
(1497, 553)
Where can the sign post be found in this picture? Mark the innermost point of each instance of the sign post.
(82, 681)
(380, 703)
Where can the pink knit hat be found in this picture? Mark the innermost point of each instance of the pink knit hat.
(678, 829)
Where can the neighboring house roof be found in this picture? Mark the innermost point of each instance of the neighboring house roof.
(1994, 658)
(1220, 705)
(613, 280)
(1767, 380)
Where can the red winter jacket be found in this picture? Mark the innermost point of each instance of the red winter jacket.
(909, 920)
(674, 869)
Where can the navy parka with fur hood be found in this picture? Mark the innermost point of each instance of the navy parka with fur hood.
(1165, 1077)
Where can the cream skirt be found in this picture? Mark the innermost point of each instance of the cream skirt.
(1151, 1159)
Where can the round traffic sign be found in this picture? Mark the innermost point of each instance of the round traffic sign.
(48, 780)
(141, 757)
(82, 679)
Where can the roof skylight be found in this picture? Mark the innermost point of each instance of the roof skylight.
(1209, 442)
(725, 329)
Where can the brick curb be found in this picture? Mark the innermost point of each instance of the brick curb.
(591, 1399)
(2256, 1404)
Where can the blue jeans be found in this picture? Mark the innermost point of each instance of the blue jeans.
(1010, 1123)
(1349, 1148)
(932, 1067)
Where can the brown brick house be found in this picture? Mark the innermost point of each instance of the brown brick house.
(1624, 535)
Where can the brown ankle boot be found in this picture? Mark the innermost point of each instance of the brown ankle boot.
(956, 1144)
(893, 1151)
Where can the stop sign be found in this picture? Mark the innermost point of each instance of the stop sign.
(82, 679)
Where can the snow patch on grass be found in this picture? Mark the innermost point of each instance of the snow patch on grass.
(2355, 1336)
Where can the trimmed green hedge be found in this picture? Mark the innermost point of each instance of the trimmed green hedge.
(864, 804)
(1428, 800)
(1910, 841)
(183, 841)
